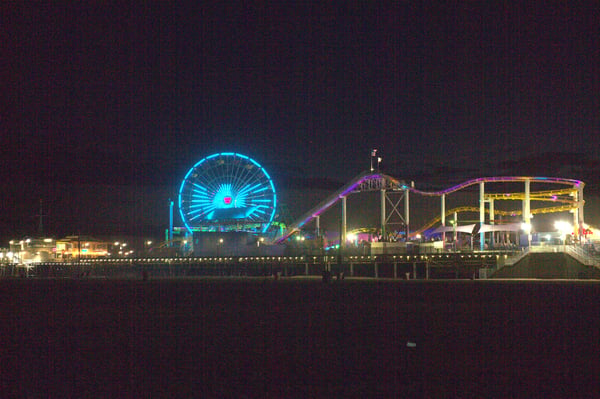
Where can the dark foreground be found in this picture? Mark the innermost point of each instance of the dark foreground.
(298, 338)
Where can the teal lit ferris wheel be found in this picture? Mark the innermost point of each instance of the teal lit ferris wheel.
(227, 191)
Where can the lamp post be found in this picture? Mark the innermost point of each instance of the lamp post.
(258, 242)
(219, 243)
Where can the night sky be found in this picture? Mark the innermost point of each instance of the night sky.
(129, 96)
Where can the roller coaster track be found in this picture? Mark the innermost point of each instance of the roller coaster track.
(370, 181)
(474, 209)
(501, 179)
(366, 181)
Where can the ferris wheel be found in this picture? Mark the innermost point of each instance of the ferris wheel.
(227, 190)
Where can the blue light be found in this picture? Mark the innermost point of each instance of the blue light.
(226, 187)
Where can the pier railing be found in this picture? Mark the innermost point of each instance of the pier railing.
(582, 256)
(575, 251)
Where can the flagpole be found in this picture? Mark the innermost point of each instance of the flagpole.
(372, 153)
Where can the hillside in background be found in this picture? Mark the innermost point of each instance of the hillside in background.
(99, 196)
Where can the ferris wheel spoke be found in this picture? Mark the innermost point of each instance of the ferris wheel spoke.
(246, 178)
(227, 187)
(199, 187)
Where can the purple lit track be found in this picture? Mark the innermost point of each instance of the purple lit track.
(500, 179)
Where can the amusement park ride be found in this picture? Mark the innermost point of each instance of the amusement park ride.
(232, 194)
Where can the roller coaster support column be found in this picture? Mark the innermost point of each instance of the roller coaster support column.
(455, 224)
(443, 219)
(492, 234)
(481, 214)
(527, 203)
(383, 232)
(343, 232)
(578, 214)
(407, 211)
(527, 207)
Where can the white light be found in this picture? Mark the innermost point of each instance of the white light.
(563, 227)
(526, 227)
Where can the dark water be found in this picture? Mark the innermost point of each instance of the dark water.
(299, 338)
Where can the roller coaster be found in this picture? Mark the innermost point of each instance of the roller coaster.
(396, 192)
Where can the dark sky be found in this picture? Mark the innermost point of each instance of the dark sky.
(133, 93)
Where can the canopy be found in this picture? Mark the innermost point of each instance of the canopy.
(467, 228)
(486, 228)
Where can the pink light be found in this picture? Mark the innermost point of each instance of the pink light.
(227, 200)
